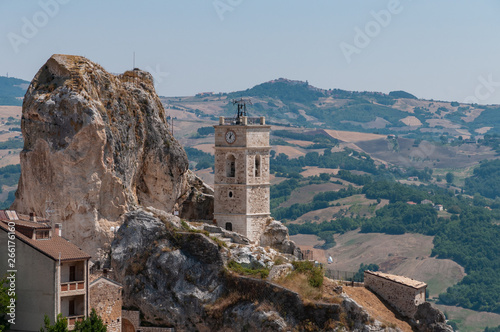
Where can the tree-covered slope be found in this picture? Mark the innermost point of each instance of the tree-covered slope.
(12, 90)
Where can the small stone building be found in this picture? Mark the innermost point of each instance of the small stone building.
(402, 293)
(106, 299)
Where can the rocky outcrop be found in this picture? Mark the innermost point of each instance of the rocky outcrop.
(169, 275)
(276, 236)
(429, 319)
(177, 276)
(96, 146)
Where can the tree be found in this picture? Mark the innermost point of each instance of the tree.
(60, 325)
(450, 177)
(4, 302)
(93, 323)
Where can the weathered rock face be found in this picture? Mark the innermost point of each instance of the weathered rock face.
(97, 145)
(169, 276)
(431, 319)
(275, 235)
(178, 278)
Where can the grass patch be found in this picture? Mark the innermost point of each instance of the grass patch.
(219, 242)
(238, 268)
(314, 273)
(299, 283)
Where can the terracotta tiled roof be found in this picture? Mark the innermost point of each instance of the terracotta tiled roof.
(400, 279)
(105, 279)
(27, 218)
(29, 224)
(52, 247)
(7, 215)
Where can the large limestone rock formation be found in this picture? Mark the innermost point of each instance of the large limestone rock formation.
(177, 276)
(96, 146)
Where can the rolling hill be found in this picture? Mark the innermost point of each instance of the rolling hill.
(296, 103)
(12, 91)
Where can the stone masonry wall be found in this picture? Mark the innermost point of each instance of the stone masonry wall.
(257, 136)
(403, 298)
(239, 223)
(106, 299)
(230, 199)
(242, 200)
(220, 166)
(264, 166)
(133, 317)
(257, 225)
(258, 199)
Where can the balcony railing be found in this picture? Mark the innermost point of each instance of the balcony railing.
(72, 286)
(73, 319)
(243, 120)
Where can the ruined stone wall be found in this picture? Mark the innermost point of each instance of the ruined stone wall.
(106, 299)
(404, 299)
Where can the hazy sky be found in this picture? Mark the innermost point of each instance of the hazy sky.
(445, 50)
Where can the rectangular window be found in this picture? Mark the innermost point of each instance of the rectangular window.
(257, 166)
(42, 235)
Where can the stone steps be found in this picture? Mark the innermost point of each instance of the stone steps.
(222, 238)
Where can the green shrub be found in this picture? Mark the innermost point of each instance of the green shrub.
(314, 272)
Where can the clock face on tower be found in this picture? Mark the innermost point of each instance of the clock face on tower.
(230, 136)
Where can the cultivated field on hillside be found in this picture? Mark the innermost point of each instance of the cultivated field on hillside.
(290, 151)
(426, 154)
(9, 156)
(305, 194)
(470, 320)
(13, 111)
(352, 136)
(407, 254)
(355, 205)
(315, 171)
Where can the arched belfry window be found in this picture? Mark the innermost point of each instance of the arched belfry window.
(257, 166)
(230, 166)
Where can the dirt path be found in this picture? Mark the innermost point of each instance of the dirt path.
(375, 307)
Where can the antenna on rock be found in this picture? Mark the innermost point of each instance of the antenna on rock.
(133, 61)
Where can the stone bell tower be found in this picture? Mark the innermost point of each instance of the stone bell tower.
(241, 180)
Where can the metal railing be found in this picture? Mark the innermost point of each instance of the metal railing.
(244, 120)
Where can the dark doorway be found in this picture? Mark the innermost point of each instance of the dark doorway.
(72, 273)
(229, 226)
(71, 309)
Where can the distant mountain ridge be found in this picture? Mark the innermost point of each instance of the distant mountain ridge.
(12, 90)
(285, 89)
(297, 103)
